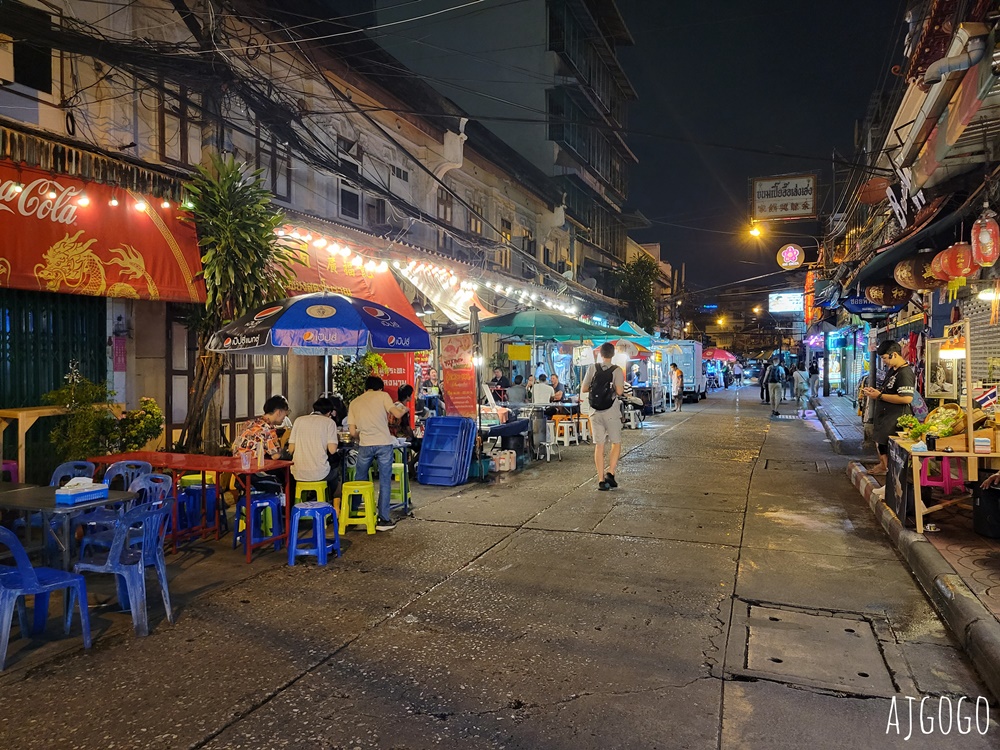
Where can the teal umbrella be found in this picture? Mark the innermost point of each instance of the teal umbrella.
(545, 325)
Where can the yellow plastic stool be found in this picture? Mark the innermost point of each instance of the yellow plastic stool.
(348, 517)
(318, 487)
(352, 473)
(194, 480)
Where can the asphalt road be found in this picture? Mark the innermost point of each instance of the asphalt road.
(734, 592)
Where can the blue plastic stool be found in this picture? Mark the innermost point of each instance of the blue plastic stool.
(259, 506)
(318, 513)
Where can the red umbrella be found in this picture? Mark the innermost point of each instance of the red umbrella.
(715, 353)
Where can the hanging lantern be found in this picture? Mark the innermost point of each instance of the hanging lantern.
(986, 238)
(958, 262)
(937, 266)
(873, 192)
(888, 294)
(915, 273)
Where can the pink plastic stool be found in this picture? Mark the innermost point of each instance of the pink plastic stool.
(945, 481)
(10, 466)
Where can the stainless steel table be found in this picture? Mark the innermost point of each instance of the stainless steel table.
(29, 498)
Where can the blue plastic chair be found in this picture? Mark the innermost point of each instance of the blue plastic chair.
(22, 580)
(131, 554)
(128, 471)
(152, 489)
(71, 470)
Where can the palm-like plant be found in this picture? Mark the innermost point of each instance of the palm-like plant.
(244, 264)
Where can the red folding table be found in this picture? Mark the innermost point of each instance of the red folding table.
(179, 463)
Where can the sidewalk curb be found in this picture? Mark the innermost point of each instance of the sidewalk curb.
(973, 625)
(841, 445)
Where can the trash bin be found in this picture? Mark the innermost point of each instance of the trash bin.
(986, 513)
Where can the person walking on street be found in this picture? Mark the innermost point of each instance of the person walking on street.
(368, 421)
(765, 394)
(738, 374)
(676, 386)
(775, 385)
(892, 398)
(813, 379)
(800, 381)
(604, 383)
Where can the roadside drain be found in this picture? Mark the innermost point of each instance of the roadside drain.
(817, 467)
(844, 652)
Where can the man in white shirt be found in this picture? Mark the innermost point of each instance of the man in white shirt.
(542, 392)
(368, 421)
(603, 385)
(313, 441)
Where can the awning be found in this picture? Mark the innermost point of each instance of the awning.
(452, 300)
(934, 230)
(61, 234)
(360, 274)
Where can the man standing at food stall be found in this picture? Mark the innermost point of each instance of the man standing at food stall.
(604, 383)
(368, 421)
(892, 398)
(313, 445)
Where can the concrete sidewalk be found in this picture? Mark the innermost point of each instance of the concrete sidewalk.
(842, 423)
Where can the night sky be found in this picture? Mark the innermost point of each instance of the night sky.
(771, 75)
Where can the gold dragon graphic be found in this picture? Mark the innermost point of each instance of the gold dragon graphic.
(72, 263)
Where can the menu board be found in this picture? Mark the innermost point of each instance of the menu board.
(458, 375)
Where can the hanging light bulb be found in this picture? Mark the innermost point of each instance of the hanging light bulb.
(345, 251)
(296, 235)
(382, 267)
(165, 204)
(371, 265)
(83, 200)
(320, 242)
(113, 202)
(280, 232)
(357, 260)
(140, 205)
(52, 195)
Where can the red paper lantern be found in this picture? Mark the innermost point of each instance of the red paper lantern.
(888, 293)
(986, 239)
(937, 267)
(958, 262)
(873, 192)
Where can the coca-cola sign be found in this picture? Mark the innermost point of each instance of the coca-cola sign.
(62, 234)
(42, 199)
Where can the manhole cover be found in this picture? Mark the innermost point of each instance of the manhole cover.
(819, 467)
(829, 650)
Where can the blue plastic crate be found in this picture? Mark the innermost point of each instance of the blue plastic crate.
(446, 451)
(66, 498)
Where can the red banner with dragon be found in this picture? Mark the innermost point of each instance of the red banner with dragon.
(61, 234)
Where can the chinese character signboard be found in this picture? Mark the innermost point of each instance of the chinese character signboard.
(784, 197)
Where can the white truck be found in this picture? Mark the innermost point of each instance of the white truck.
(688, 359)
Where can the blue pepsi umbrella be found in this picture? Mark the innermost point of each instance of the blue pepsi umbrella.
(321, 324)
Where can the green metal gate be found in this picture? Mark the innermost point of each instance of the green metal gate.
(40, 333)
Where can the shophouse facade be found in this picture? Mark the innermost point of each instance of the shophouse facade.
(120, 104)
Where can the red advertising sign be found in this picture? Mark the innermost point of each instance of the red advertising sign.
(120, 357)
(459, 375)
(400, 373)
(62, 234)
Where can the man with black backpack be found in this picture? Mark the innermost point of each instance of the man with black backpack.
(603, 384)
(775, 384)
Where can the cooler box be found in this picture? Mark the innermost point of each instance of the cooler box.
(81, 494)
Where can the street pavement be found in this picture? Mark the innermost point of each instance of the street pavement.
(733, 592)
